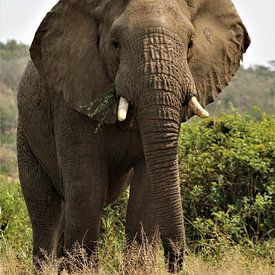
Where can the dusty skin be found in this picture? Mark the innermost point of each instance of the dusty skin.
(157, 55)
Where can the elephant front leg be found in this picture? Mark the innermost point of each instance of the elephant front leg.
(85, 180)
(43, 202)
(84, 201)
(83, 208)
(141, 230)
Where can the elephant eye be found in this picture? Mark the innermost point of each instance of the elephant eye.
(190, 44)
(190, 50)
(115, 44)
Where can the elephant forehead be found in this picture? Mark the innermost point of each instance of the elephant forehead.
(157, 12)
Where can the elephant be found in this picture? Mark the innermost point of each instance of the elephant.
(163, 61)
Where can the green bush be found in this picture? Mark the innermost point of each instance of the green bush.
(228, 182)
(113, 222)
(15, 228)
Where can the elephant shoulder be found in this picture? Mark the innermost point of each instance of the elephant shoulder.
(31, 86)
(33, 94)
(33, 100)
(36, 118)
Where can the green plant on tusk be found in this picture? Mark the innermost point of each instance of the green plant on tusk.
(101, 106)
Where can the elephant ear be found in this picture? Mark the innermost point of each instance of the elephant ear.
(219, 41)
(65, 53)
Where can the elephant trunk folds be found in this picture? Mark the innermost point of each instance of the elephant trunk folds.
(159, 127)
(162, 82)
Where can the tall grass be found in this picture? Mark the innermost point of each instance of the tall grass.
(234, 261)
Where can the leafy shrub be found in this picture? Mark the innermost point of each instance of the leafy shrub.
(113, 222)
(15, 228)
(228, 182)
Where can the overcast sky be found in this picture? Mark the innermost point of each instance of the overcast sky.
(20, 18)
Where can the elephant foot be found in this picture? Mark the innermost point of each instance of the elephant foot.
(174, 260)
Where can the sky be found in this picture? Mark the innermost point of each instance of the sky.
(19, 20)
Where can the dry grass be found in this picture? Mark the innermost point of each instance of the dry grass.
(232, 262)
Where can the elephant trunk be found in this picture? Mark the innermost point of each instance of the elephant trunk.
(161, 81)
(159, 122)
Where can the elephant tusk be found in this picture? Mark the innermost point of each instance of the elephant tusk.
(122, 109)
(196, 108)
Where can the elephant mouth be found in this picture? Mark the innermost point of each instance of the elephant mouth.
(193, 104)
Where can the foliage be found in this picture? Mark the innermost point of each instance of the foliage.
(101, 106)
(113, 221)
(8, 160)
(250, 88)
(15, 229)
(14, 58)
(228, 181)
(8, 109)
(112, 242)
(8, 122)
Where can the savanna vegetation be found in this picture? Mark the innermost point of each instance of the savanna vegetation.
(13, 58)
(227, 166)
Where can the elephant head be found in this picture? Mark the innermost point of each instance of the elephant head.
(159, 54)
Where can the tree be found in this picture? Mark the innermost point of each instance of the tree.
(14, 58)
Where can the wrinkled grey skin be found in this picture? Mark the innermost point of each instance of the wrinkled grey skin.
(158, 54)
